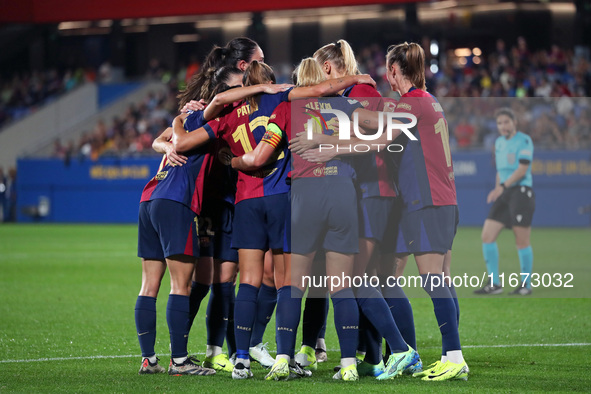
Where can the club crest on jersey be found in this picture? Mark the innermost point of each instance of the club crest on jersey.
(161, 175)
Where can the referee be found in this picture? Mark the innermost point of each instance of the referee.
(513, 202)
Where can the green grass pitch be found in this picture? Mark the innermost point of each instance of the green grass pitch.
(67, 294)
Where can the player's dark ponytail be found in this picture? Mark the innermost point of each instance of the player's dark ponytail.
(200, 86)
(241, 48)
(257, 73)
(411, 59)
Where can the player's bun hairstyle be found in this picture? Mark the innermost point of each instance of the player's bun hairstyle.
(505, 111)
(257, 73)
(308, 73)
(411, 59)
(200, 86)
(220, 80)
(341, 55)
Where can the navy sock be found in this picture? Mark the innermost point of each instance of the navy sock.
(401, 311)
(245, 309)
(218, 310)
(373, 342)
(454, 296)
(145, 324)
(313, 320)
(230, 337)
(177, 316)
(363, 326)
(198, 293)
(346, 321)
(289, 305)
(266, 301)
(445, 311)
(377, 311)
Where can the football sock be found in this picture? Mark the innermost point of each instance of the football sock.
(313, 319)
(401, 311)
(198, 293)
(179, 360)
(491, 256)
(378, 313)
(445, 311)
(454, 296)
(289, 300)
(218, 310)
(153, 359)
(230, 337)
(526, 262)
(212, 351)
(363, 323)
(373, 344)
(346, 320)
(145, 324)
(321, 344)
(245, 309)
(243, 357)
(177, 315)
(266, 301)
(455, 356)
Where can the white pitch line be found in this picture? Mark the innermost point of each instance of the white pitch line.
(34, 360)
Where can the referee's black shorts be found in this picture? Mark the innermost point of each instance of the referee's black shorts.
(515, 207)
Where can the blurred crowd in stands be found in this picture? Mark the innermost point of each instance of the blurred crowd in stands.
(25, 92)
(550, 91)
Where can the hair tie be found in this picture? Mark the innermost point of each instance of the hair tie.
(337, 45)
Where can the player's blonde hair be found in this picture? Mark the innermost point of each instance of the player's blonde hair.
(308, 73)
(257, 73)
(411, 59)
(341, 55)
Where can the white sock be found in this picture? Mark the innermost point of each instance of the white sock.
(286, 357)
(443, 359)
(152, 359)
(345, 362)
(244, 361)
(455, 356)
(320, 344)
(212, 351)
(179, 360)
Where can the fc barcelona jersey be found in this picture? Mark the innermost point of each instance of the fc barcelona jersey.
(243, 128)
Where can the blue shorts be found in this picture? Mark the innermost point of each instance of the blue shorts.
(428, 230)
(324, 215)
(259, 223)
(215, 230)
(373, 217)
(167, 228)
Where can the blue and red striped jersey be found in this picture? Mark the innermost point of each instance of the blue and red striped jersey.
(374, 177)
(243, 129)
(183, 184)
(425, 175)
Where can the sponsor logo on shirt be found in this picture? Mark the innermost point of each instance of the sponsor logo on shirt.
(405, 106)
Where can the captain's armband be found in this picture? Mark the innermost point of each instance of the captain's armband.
(273, 135)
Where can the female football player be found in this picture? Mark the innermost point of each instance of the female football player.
(429, 214)
(261, 199)
(169, 209)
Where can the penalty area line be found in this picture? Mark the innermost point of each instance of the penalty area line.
(34, 360)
